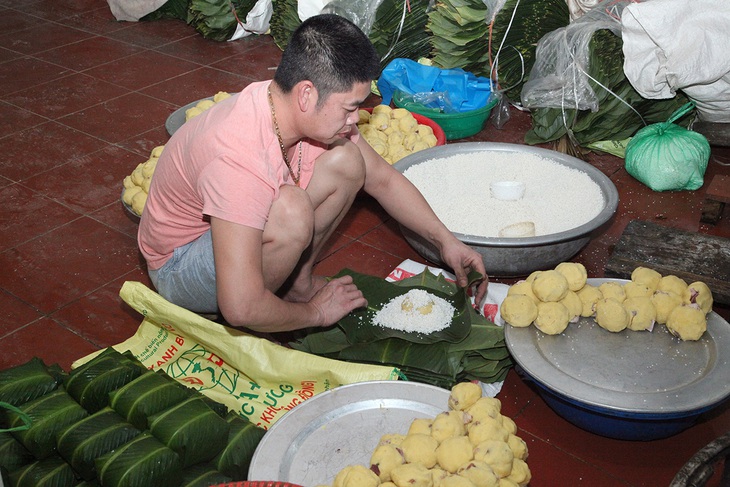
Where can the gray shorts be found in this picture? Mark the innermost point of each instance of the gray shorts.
(188, 278)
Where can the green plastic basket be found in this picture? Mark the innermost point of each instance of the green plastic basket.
(455, 125)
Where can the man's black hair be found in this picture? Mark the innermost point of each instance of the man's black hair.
(331, 52)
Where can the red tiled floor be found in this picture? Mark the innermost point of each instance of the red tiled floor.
(68, 244)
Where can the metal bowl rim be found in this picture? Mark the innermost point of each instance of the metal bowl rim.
(608, 189)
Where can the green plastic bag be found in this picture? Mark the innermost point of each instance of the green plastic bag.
(667, 157)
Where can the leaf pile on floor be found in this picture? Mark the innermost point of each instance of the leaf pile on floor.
(112, 422)
(471, 348)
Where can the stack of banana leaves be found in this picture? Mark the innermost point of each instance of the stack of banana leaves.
(213, 19)
(461, 37)
(471, 348)
(112, 422)
(391, 39)
(284, 21)
(613, 120)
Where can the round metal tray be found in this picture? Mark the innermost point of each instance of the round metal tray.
(628, 372)
(311, 443)
(177, 118)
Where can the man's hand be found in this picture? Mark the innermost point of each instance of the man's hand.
(462, 258)
(336, 299)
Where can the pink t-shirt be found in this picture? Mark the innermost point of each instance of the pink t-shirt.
(226, 163)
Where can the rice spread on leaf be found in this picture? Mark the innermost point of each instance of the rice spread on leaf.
(416, 311)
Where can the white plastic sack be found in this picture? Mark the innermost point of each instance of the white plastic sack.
(257, 20)
(310, 8)
(675, 44)
(133, 10)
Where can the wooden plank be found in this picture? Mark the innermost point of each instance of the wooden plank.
(689, 255)
(719, 189)
(716, 133)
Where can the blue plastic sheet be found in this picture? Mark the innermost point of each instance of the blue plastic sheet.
(450, 90)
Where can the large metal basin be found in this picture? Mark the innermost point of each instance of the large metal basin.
(514, 257)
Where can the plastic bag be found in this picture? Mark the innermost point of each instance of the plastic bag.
(463, 89)
(667, 157)
(254, 377)
(359, 12)
(559, 78)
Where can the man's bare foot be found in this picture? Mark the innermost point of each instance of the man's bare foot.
(303, 294)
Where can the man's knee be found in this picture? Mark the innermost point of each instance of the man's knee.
(292, 216)
(346, 160)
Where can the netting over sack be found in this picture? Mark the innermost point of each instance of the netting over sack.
(667, 157)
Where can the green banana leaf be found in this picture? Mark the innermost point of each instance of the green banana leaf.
(243, 438)
(192, 430)
(81, 443)
(26, 382)
(50, 472)
(91, 383)
(141, 462)
(480, 355)
(145, 396)
(13, 454)
(49, 414)
(521, 33)
(284, 21)
(359, 327)
(217, 19)
(203, 475)
(613, 120)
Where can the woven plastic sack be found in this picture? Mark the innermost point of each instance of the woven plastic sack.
(667, 157)
(254, 377)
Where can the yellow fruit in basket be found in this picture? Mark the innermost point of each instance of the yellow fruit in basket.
(614, 290)
(220, 96)
(399, 113)
(575, 273)
(518, 310)
(520, 473)
(646, 276)
(497, 454)
(699, 293)
(464, 395)
(412, 475)
(419, 448)
(424, 130)
(454, 452)
(518, 446)
(448, 424)
(420, 145)
(137, 176)
(636, 289)
(552, 318)
(642, 313)
(356, 476)
(479, 473)
(157, 151)
(127, 182)
(430, 140)
(148, 168)
(672, 284)
(665, 302)
(589, 295)
(382, 109)
(688, 322)
(192, 112)
(574, 305)
(611, 315)
(550, 286)
(138, 202)
(203, 105)
(384, 459)
(129, 193)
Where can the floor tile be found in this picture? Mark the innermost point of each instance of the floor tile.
(58, 10)
(145, 142)
(22, 73)
(23, 157)
(36, 39)
(364, 215)
(15, 21)
(194, 85)
(14, 314)
(7, 55)
(89, 53)
(118, 218)
(141, 70)
(60, 346)
(258, 64)
(16, 119)
(28, 214)
(153, 34)
(514, 396)
(77, 258)
(388, 237)
(98, 21)
(200, 50)
(98, 179)
(102, 317)
(65, 95)
(359, 258)
(120, 118)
